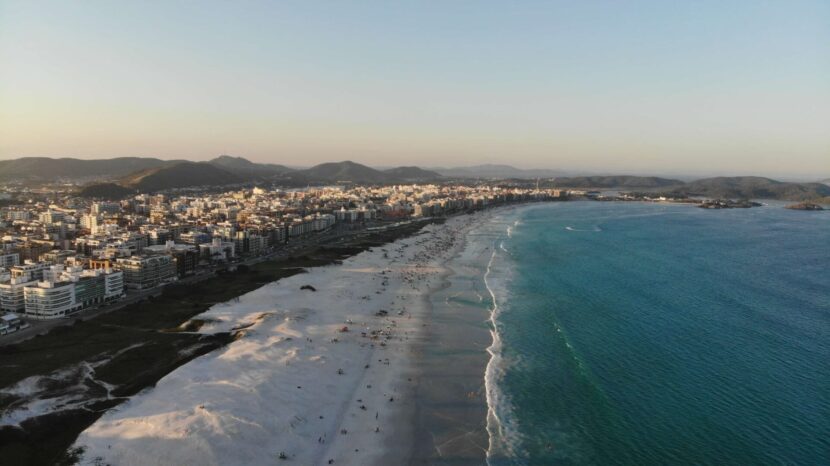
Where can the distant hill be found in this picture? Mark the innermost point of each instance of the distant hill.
(173, 176)
(106, 191)
(411, 174)
(45, 169)
(493, 171)
(615, 182)
(344, 171)
(358, 173)
(247, 169)
(227, 170)
(754, 187)
(180, 175)
(118, 177)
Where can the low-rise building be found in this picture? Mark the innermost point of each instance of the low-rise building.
(11, 322)
(29, 270)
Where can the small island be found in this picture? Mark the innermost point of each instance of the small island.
(674, 197)
(728, 204)
(805, 206)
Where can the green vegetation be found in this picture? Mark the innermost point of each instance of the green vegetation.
(179, 175)
(754, 187)
(106, 191)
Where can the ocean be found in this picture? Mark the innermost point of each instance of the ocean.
(636, 334)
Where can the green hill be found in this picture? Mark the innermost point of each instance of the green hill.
(106, 191)
(45, 169)
(249, 170)
(754, 187)
(615, 182)
(180, 175)
(344, 171)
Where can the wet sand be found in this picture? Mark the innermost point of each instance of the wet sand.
(451, 427)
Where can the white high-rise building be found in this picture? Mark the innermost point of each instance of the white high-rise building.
(113, 284)
(12, 297)
(48, 300)
(90, 222)
(143, 272)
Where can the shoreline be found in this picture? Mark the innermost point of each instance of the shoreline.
(26, 441)
(49, 397)
(301, 378)
(453, 404)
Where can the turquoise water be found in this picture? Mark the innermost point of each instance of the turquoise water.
(645, 334)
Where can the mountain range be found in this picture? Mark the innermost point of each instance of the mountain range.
(123, 176)
(227, 170)
(496, 171)
(49, 170)
(152, 174)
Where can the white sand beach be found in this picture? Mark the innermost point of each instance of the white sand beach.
(323, 377)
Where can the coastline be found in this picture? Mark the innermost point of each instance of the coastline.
(63, 381)
(308, 373)
(412, 337)
(453, 399)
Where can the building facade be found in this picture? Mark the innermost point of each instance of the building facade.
(143, 272)
(49, 300)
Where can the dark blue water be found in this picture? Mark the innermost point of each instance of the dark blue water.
(643, 334)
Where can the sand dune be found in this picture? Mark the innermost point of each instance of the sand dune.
(318, 376)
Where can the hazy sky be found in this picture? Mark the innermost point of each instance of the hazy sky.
(618, 86)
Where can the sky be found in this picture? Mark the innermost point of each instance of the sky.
(635, 87)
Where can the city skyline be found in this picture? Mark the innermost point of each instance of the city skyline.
(641, 88)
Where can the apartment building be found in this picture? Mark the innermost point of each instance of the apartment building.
(95, 287)
(143, 272)
(50, 300)
(12, 297)
(218, 250)
(9, 260)
(65, 291)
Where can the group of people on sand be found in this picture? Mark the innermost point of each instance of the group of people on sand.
(416, 266)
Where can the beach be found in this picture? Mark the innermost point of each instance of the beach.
(323, 370)
(453, 401)
(63, 381)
